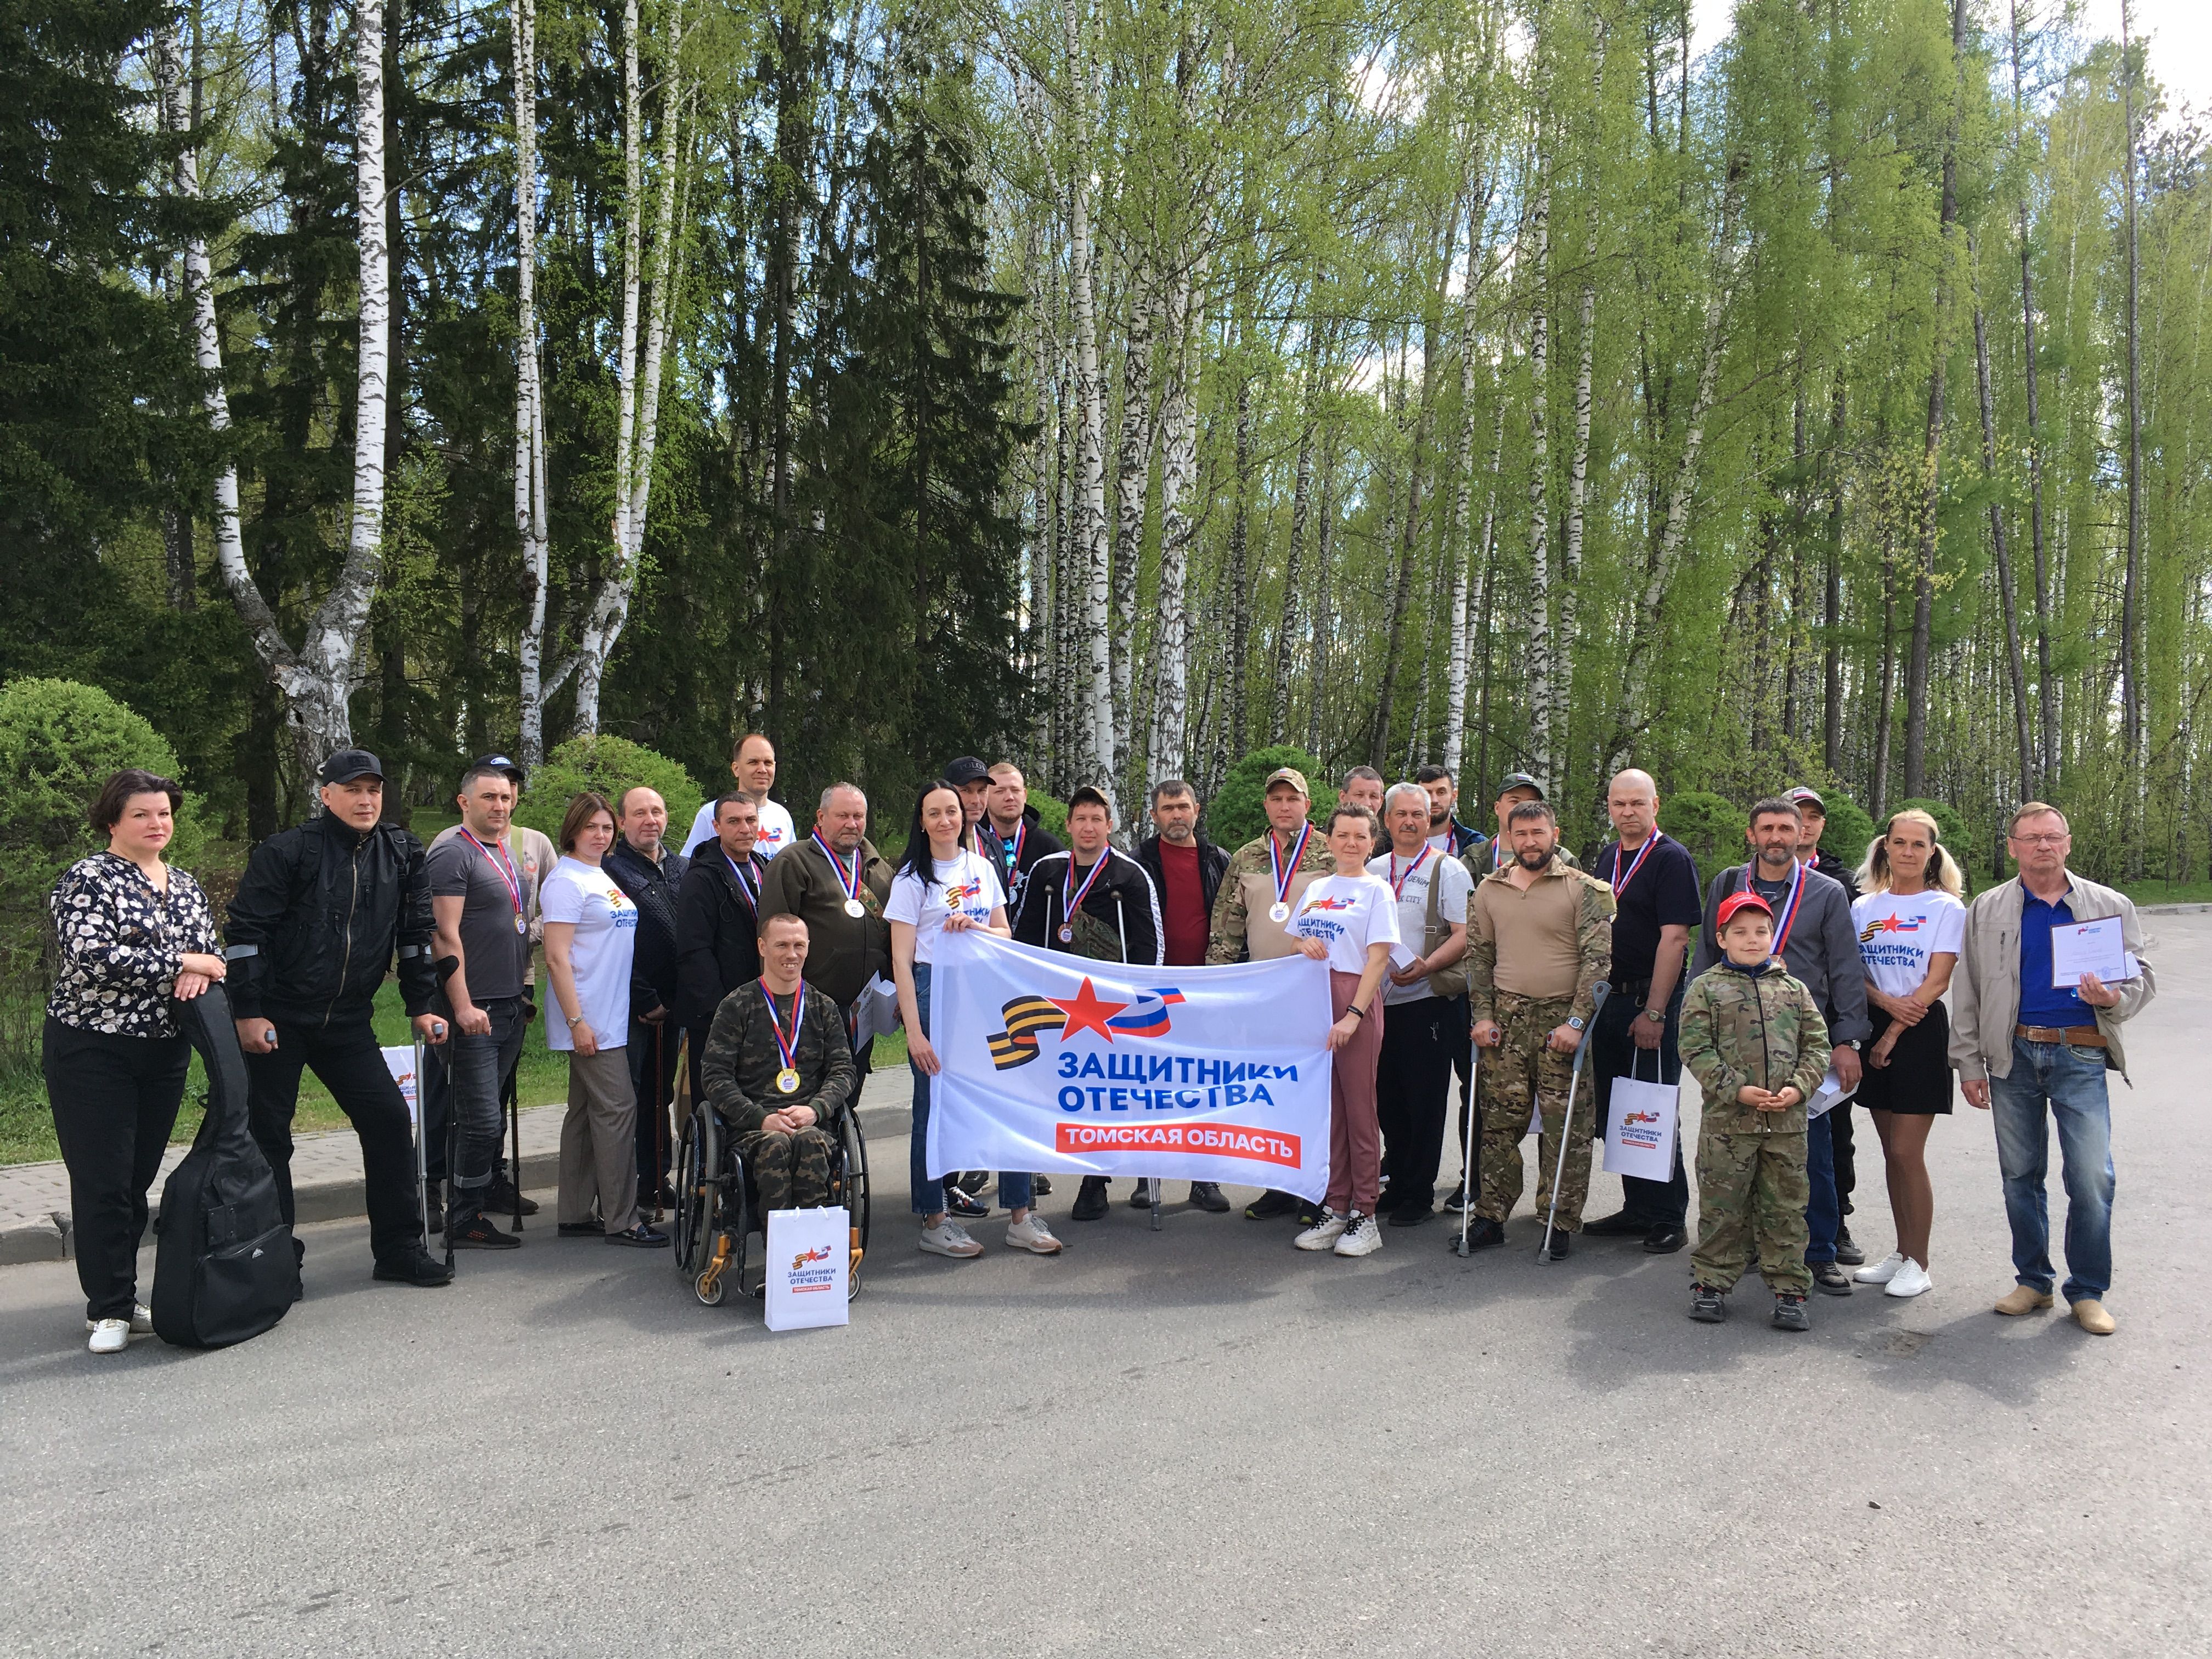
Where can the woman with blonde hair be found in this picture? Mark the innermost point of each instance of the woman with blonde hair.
(1910, 924)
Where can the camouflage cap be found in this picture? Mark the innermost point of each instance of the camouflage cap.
(1804, 797)
(1289, 775)
(1092, 792)
(1513, 780)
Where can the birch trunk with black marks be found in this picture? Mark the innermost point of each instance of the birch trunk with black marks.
(1097, 737)
(1133, 475)
(1540, 669)
(531, 516)
(1166, 755)
(2015, 669)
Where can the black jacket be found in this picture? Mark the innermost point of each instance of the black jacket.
(1836, 869)
(311, 931)
(1123, 898)
(651, 887)
(1212, 863)
(1037, 842)
(717, 935)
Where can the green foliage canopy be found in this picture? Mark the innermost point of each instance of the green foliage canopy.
(1238, 811)
(610, 765)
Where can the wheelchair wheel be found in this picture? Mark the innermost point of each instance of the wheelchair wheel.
(693, 1198)
(853, 1191)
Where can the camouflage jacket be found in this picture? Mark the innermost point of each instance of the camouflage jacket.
(1246, 886)
(1761, 1028)
(1592, 942)
(738, 1073)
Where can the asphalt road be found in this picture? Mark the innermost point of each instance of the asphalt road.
(1197, 1440)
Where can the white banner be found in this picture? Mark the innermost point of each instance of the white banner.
(1640, 1129)
(1059, 1064)
(809, 1262)
(400, 1062)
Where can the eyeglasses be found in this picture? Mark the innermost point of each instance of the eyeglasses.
(2042, 840)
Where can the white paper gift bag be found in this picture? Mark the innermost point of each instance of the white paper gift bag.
(810, 1269)
(1640, 1129)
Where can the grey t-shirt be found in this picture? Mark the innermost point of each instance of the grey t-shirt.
(497, 956)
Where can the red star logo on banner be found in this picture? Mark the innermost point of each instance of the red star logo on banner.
(1087, 1008)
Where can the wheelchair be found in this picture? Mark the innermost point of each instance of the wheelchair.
(718, 1214)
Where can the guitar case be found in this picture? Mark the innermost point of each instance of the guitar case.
(224, 1265)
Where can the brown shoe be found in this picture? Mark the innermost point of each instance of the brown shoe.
(2023, 1299)
(2089, 1314)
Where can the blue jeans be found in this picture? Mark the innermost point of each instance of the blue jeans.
(2070, 1083)
(929, 1190)
(1823, 1215)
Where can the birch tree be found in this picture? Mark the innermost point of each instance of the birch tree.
(531, 523)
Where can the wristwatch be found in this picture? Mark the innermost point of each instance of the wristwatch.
(1656, 1016)
(1574, 1022)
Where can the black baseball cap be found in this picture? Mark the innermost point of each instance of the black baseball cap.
(504, 763)
(1513, 780)
(963, 770)
(350, 763)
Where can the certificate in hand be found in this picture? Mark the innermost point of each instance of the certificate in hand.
(2089, 947)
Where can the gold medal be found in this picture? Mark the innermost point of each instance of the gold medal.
(787, 1081)
(520, 926)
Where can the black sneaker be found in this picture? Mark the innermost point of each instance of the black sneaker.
(1271, 1204)
(1665, 1239)
(1308, 1212)
(418, 1267)
(479, 1234)
(1457, 1201)
(1090, 1199)
(1706, 1305)
(1847, 1251)
(1790, 1312)
(1142, 1198)
(1555, 1243)
(1410, 1215)
(1829, 1280)
(499, 1199)
(1618, 1224)
(959, 1204)
(582, 1229)
(645, 1237)
(1481, 1234)
(972, 1181)
(1206, 1195)
(1041, 1185)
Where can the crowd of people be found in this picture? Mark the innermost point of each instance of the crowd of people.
(1488, 963)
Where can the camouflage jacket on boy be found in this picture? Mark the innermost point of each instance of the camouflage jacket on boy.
(1755, 1026)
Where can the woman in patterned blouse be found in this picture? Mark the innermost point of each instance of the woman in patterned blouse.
(134, 935)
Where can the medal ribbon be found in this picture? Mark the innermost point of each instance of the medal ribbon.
(746, 885)
(786, 1047)
(1071, 896)
(1398, 881)
(1010, 851)
(1788, 919)
(1284, 877)
(505, 866)
(851, 883)
(1620, 878)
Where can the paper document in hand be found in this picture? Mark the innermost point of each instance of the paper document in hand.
(1829, 1095)
(2089, 947)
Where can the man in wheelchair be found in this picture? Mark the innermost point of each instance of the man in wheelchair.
(777, 1071)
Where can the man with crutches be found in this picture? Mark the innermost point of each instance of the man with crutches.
(1539, 942)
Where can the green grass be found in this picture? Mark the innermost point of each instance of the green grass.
(27, 1126)
(2168, 892)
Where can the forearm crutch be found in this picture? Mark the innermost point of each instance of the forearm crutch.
(422, 1152)
(514, 1103)
(1466, 1157)
(1567, 1123)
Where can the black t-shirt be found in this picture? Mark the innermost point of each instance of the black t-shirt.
(1664, 892)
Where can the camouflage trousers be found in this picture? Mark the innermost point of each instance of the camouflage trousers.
(790, 1171)
(1518, 1074)
(1751, 1193)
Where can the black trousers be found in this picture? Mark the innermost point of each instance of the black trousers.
(114, 1101)
(1412, 1083)
(652, 1079)
(1654, 1203)
(1846, 1154)
(344, 1055)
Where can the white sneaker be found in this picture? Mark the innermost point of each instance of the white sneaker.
(1324, 1233)
(141, 1320)
(1032, 1234)
(110, 1336)
(1911, 1280)
(949, 1237)
(1361, 1238)
(1881, 1271)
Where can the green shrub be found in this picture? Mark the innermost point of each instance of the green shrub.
(1848, 831)
(1238, 812)
(1710, 826)
(1951, 829)
(59, 742)
(609, 765)
(1052, 815)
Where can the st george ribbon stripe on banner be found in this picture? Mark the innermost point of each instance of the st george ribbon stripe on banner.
(1059, 1064)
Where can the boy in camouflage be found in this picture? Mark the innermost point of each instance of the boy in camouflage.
(1754, 1038)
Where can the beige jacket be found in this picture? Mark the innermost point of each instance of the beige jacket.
(1985, 990)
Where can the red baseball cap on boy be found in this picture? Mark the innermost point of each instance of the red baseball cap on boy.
(1746, 900)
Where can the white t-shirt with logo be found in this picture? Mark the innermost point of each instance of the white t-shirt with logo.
(1348, 914)
(1898, 935)
(1413, 908)
(776, 831)
(598, 954)
(968, 883)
